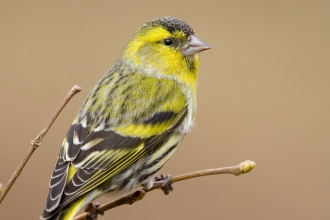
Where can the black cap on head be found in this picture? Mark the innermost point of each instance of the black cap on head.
(172, 25)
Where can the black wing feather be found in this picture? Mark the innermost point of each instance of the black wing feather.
(84, 177)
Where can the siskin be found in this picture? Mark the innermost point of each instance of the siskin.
(132, 121)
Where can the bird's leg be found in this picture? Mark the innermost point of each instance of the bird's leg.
(166, 186)
(163, 182)
(93, 211)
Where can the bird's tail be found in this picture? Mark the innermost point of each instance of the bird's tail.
(67, 212)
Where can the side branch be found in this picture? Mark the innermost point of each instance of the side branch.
(242, 168)
(37, 141)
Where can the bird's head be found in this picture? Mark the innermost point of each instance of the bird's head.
(167, 46)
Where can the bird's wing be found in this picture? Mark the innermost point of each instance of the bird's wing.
(93, 152)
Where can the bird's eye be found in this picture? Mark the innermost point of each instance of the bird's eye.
(168, 41)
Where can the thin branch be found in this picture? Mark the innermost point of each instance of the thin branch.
(37, 141)
(242, 168)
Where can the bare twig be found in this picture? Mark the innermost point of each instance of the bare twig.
(37, 141)
(242, 168)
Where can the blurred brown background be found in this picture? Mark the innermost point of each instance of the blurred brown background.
(264, 95)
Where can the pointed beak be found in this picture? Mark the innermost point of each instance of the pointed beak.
(194, 45)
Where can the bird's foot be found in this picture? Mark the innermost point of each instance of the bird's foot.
(166, 186)
(163, 182)
(92, 208)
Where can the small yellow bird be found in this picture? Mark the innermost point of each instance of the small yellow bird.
(132, 120)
